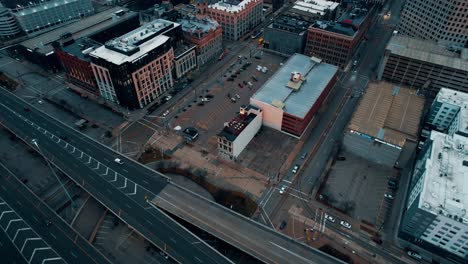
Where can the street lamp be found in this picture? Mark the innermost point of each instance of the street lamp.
(34, 142)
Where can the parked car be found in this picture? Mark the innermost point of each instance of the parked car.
(230, 79)
(414, 254)
(304, 155)
(205, 99)
(341, 158)
(345, 224)
(237, 96)
(392, 184)
(282, 225)
(233, 99)
(241, 86)
(295, 169)
(282, 190)
(389, 196)
(166, 113)
(330, 218)
(118, 161)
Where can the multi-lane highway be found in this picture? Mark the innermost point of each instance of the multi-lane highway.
(125, 188)
(35, 232)
(92, 166)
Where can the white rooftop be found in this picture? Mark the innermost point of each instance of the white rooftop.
(136, 43)
(459, 99)
(445, 187)
(231, 6)
(315, 6)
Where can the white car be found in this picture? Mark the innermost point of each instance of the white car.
(282, 190)
(118, 161)
(165, 113)
(237, 96)
(330, 218)
(168, 97)
(205, 99)
(295, 168)
(414, 254)
(345, 224)
(389, 196)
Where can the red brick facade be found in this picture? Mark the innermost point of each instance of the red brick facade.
(78, 72)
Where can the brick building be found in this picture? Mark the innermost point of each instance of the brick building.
(293, 95)
(206, 34)
(336, 42)
(237, 18)
(135, 69)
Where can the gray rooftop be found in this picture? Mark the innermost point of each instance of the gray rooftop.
(347, 24)
(299, 102)
(193, 24)
(81, 28)
(427, 51)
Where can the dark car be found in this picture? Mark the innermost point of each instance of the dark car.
(48, 223)
(230, 79)
(392, 184)
(282, 225)
(341, 158)
(240, 85)
(26, 109)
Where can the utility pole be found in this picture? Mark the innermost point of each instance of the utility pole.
(34, 142)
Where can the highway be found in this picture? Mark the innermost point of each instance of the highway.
(253, 238)
(92, 166)
(23, 218)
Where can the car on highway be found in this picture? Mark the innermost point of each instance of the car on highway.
(282, 189)
(48, 223)
(282, 225)
(414, 254)
(26, 109)
(330, 218)
(389, 196)
(118, 161)
(345, 224)
(166, 113)
(304, 155)
(295, 168)
(40, 102)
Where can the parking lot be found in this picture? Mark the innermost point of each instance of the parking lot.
(357, 186)
(225, 99)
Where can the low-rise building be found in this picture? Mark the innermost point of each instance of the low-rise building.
(76, 62)
(237, 133)
(38, 16)
(237, 18)
(335, 42)
(312, 10)
(424, 65)
(206, 34)
(185, 60)
(386, 118)
(293, 95)
(135, 69)
(435, 216)
(286, 35)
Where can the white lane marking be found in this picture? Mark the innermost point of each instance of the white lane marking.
(26, 241)
(50, 259)
(125, 184)
(34, 252)
(19, 230)
(299, 256)
(115, 178)
(11, 221)
(134, 191)
(125, 170)
(145, 182)
(286, 181)
(53, 235)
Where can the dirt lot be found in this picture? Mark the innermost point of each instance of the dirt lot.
(357, 186)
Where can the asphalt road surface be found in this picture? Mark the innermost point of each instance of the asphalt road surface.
(93, 167)
(26, 225)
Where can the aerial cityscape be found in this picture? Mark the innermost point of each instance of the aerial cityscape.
(234, 131)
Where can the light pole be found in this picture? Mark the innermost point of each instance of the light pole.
(34, 141)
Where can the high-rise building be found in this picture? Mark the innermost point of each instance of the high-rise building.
(237, 18)
(423, 65)
(445, 22)
(40, 15)
(135, 69)
(435, 217)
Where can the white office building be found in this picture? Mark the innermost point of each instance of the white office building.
(436, 212)
(443, 21)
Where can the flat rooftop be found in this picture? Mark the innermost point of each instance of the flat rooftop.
(347, 24)
(198, 24)
(315, 7)
(231, 6)
(233, 128)
(290, 24)
(445, 187)
(426, 51)
(297, 102)
(459, 99)
(30, 9)
(136, 43)
(81, 48)
(388, 112)
(78, 29)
